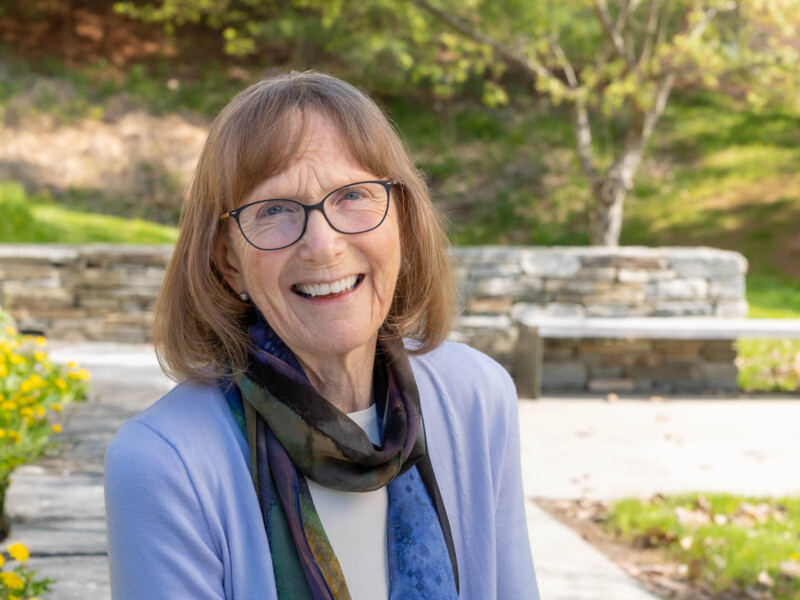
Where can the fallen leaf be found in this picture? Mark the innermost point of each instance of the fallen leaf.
(691, 517)
(765, 580)
(790, 568)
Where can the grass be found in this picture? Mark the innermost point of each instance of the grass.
(723, 540)
(37, 219)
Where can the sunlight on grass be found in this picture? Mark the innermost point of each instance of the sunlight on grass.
(34, 219)
(724, 540)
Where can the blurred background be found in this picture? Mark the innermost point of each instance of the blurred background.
(535, 122)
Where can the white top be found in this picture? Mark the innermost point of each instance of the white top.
(355, 523)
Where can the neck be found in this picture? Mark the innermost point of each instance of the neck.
(344, 380)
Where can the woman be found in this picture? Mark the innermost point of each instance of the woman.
(293, 461)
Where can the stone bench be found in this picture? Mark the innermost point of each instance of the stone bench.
(533, 328)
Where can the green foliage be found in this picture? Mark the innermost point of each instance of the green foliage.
(33, 393)
(722, 539)
(37, 219)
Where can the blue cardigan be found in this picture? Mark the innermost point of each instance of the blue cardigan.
(184, 521)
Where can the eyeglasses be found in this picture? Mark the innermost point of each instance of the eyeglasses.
(277, 223)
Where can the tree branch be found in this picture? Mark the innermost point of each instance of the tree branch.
(583, 140)
(652, 33)
(613, 30)
(532, 66)
(569, 71)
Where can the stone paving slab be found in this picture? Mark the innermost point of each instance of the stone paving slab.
(583, 447)
(570, 569)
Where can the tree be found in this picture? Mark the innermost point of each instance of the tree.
(609, 60)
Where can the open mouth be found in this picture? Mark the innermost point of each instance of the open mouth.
(328, 290)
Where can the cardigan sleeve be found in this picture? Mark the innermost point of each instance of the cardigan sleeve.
(159, 541)
(515, 574)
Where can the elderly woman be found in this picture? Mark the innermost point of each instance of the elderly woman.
(324, 442)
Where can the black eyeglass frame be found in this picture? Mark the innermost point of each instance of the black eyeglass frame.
(387, 184)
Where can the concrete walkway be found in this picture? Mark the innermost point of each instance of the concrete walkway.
(572, 447)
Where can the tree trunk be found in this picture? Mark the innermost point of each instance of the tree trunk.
(609, 204)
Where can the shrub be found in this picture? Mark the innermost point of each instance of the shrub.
(33, 393)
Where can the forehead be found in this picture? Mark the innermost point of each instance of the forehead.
(322, 162)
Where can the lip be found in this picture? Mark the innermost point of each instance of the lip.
(330, 297)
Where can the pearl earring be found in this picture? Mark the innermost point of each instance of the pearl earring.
(244, 297)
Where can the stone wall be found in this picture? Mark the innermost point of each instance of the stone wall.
(94, 292)
(107, 292)
(496, 282)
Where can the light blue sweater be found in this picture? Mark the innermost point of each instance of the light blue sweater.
(184, 520)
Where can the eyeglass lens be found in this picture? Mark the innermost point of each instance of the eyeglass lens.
(274, 224)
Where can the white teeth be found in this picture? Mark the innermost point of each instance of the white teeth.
(323, 289)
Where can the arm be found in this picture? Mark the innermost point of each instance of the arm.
(159, 542)
(515, 574)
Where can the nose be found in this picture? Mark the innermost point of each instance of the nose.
(320, 241)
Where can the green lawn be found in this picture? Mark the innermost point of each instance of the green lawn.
(37, 219)
(722, 540)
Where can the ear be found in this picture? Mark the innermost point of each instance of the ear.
(227, 260)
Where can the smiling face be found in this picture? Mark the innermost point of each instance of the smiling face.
(296, 288)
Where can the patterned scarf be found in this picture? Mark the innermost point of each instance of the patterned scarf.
(294, 433)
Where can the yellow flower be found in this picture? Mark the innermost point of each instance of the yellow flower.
(2, 435)
(81, 375)
(61, 384)
(2, 560)
(40, 341)
(29, 421)
(16, 359)
(10, 331)
(71, 364)
(8, 405)
(31, 383)
(40, 356)
(12, 581)
(26, 411)
(14, 436)
(794, 556)
(19, 552)
(57, 407)
(40, 411)
(57, 428)
(3, 369)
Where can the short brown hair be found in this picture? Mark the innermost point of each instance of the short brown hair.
(200, 323)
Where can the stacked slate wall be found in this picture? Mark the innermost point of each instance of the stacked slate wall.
(496, 282)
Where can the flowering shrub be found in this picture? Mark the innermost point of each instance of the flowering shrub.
(33, 393)
(20, 583)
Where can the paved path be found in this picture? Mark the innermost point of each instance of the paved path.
(571, 448)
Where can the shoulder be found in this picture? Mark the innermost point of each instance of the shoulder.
(465, 371)
(189, 424)
(463, 389)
